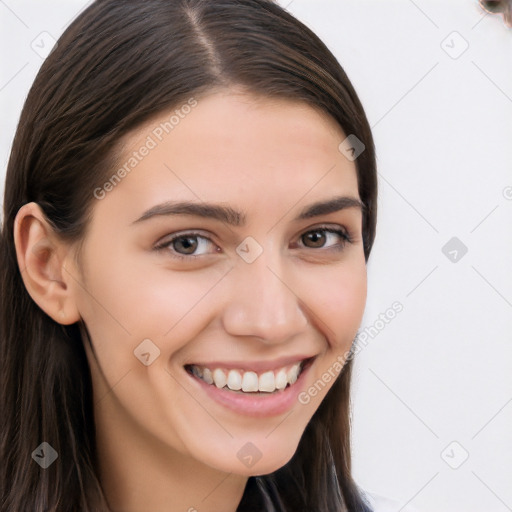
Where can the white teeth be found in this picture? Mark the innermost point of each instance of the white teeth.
(234, 380)
(250, 382)
(281, 379)
(219, 377)
(267, 382)
(293, 373)
(207, 376)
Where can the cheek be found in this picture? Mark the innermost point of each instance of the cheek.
(158, 300)
(130, 298)
(132, 295)
(339, 298)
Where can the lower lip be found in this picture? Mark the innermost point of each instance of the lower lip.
(259, 405)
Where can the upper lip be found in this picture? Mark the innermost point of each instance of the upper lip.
(256, 366)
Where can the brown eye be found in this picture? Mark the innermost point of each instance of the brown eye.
(185, 244)
(317, 238)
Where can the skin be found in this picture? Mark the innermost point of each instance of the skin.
(162, 443)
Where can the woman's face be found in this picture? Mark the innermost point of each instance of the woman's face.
(207, 259)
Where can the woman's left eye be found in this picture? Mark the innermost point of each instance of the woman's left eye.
(188, 245)
(319, 236)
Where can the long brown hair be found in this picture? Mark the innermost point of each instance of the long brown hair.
(118, 64)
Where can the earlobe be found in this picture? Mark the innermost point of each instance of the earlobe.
(41, 258)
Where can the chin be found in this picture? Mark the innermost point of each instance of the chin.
(251, 458)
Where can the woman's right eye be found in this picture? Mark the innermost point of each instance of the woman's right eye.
(185, 245)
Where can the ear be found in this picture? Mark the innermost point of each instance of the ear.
(42, 256)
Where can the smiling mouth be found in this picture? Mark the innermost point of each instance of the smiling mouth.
(250, 382)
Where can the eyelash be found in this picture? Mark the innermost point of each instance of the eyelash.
(344, 235)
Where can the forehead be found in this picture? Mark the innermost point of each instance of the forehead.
(233, 148)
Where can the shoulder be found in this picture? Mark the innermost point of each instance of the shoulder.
(383, 504)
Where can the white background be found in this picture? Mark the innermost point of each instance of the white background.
(440, 371)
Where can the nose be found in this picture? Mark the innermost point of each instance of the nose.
(263, 301)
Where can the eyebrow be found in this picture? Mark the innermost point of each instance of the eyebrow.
(236, 218)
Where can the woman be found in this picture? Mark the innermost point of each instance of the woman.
(190, 205)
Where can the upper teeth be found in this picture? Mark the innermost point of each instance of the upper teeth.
(249, 381)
